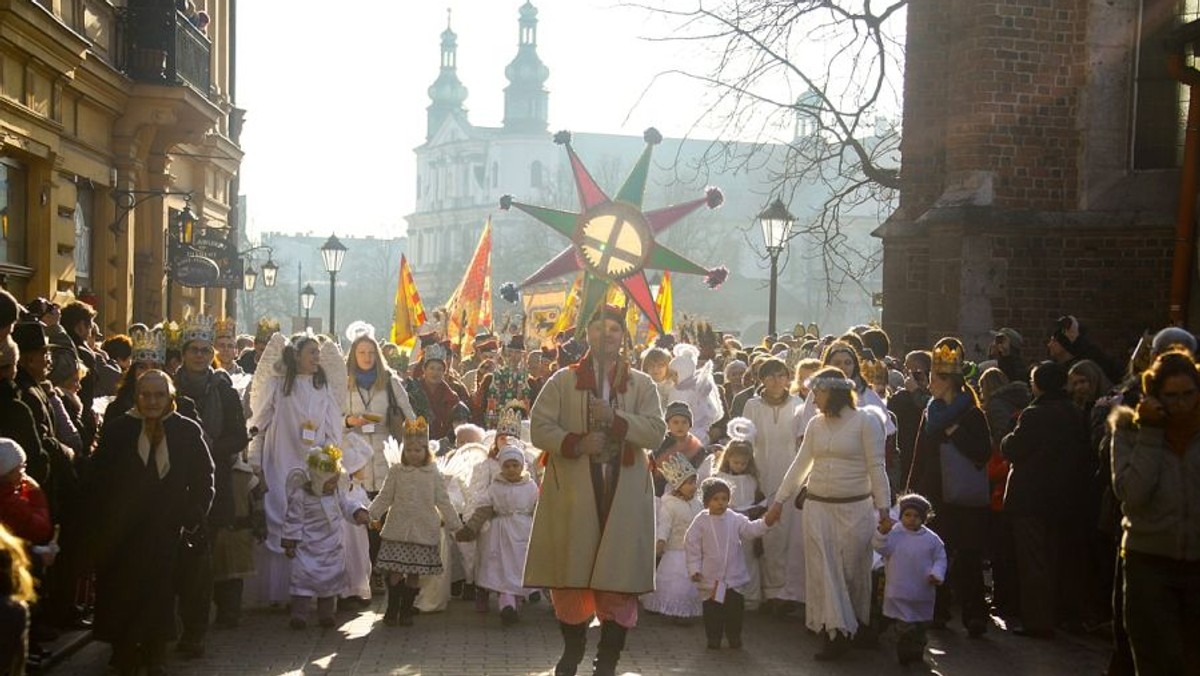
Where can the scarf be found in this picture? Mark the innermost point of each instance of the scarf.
(365, 379)
(939, 415)
(1180, 430)
(201, 389)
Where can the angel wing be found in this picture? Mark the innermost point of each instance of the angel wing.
(268, 363)
(458, 468)
(335, 372)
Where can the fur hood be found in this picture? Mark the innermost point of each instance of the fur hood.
(1122, 418)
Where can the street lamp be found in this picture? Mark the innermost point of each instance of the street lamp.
(333, 253)
(776, 223)
(307, 296)
(269, 272)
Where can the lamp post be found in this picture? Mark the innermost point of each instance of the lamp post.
(307, 296)
(179, 243)
(776, 222)
(333, 253)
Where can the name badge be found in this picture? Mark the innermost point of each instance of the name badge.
(368, 429)
(308, 434)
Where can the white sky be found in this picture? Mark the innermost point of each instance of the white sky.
(337, 98)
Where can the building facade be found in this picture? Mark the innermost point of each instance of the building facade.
(464, 169)
(1040, 165)
(114, 117)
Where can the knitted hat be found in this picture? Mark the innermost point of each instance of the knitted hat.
(1173, 336)
(687, 358)
(12, 455)
(917, 502)
(676, 470)
(511, 451)
(712, 486)
(678, 408)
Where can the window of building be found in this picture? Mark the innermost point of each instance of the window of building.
(85, 205)
(535, 174)
(1160, 103)
(14, 188)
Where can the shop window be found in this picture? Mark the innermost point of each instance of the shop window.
(85, 205)
(14, 190)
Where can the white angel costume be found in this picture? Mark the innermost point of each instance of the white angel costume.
(288, 424)
(356, 454)
(502, 546)
(777, 431)
(695, 386)
(314, 521)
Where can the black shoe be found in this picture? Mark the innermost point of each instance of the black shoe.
(508, 616)
(574, 645)
(327, 622)
(535, 597)
(608, 651)
(456, 589)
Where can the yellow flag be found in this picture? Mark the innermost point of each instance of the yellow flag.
(566, 318)
(662, 301)
(409, 313)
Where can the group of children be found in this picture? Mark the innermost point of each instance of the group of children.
(325, 515)
(709, 548)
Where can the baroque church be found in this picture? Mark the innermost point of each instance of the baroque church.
(463, 169)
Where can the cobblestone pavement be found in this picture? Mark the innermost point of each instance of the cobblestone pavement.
(460, 642)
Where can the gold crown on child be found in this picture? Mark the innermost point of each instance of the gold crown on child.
(327, 459)
(509, 422)
(416, 427)
(148, 347)
(947, 360)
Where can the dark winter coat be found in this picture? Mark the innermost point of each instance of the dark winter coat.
(137, 525)
(225, 446)
(17, 423)
(970, 437)
(1047, 449)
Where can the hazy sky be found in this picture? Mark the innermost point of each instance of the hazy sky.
(337, 98)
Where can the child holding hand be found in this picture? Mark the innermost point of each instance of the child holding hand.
(313, 534)
(716, 563)
(915, 566)
(674, 594)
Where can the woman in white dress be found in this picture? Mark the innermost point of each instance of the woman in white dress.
(294, 407)
(841, 461)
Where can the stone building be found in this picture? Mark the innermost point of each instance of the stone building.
(1040, 164)
(463, 169)
(106, 105)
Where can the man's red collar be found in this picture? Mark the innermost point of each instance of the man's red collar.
(585, 374)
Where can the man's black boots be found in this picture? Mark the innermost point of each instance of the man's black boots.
(574, 645)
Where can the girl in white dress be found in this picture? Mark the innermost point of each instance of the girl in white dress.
(294, 407)
(735, 465)
(313, 534)
(674, 594)
(507, 506)
(416, 502)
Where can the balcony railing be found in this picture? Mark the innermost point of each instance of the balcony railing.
(163, 47)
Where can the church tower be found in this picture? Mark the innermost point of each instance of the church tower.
(447, 93)
(526, 101)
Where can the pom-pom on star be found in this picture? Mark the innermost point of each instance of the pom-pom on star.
(612, 239)
(509, 292)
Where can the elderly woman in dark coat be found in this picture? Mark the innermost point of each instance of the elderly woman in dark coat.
(152, 480)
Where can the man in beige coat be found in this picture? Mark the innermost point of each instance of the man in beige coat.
(593, 532)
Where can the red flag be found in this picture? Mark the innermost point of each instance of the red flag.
(470, 306)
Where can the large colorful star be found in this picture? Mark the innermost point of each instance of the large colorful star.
(612, 240)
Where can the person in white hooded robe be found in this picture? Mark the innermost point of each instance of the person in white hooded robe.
(694, 385)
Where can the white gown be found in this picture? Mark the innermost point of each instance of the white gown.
(281, 446)
(674, 592)
(503, 546)
(315, 523)
(744, 488)
(778, 428)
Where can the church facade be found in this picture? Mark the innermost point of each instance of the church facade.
(463, 170)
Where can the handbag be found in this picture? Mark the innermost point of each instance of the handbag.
(395, 415)
(963, 483)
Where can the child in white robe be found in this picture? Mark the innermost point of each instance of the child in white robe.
(356, 455)
(507, 505)
(674, 593)
(915, 566)
(313, 535)
(736, 466)
(716, 563)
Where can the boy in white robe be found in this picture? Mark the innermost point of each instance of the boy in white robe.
(916, 565)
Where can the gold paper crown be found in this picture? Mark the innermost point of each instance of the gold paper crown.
(199, 327)
(436, 352)
(416, 427)
(148, 347)
(947, 360)
(266, 328)
(326, 459)
(875, 371)
(676, 470)
(225, 328)
(509, 423)
(171, 333)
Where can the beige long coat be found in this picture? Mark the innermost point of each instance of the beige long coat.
(567, 549)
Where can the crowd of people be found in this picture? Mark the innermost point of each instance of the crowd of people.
(154, 484)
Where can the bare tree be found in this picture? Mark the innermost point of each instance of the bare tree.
(801, 89)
